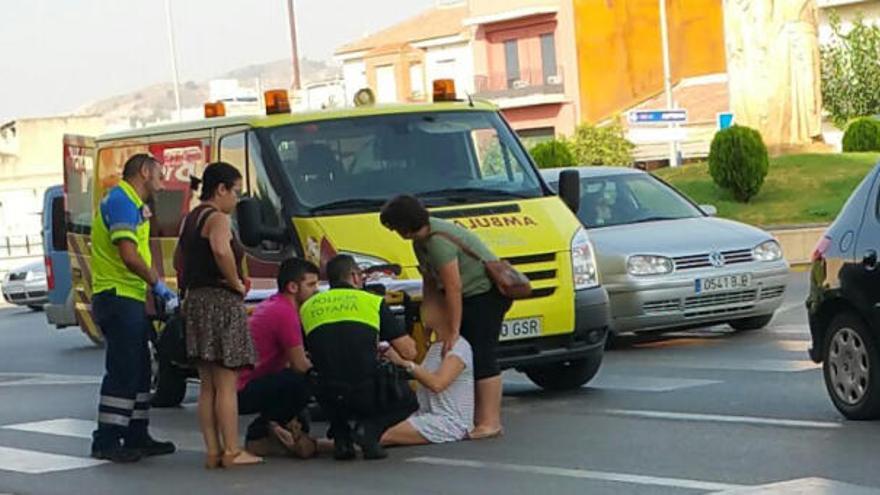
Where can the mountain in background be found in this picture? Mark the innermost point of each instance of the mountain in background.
(156, 102)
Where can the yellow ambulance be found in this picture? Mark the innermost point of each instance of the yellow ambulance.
(314, 184)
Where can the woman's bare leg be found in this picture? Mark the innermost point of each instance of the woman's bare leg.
(402, 433)
(487, 412)
(226, 410)
(207, 418)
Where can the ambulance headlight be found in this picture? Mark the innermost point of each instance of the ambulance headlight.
(583, 261)
(376, 267)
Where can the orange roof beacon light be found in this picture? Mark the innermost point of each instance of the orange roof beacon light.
(364, 97)
(444, 90)
(215, 109)
(276, 101)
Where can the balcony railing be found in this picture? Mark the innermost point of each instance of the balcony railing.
(528, 82)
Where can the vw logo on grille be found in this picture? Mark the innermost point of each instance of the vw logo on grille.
(716, 259)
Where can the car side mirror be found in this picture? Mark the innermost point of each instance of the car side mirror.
(250, 225)
(570, 189)
(709, 210)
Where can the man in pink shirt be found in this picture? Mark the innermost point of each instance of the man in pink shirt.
(276, 388)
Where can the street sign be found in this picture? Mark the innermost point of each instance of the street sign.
(725, 120)
(649, 135)
(668, 116)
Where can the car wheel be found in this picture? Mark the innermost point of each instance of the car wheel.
(749, 324)
(852, 368)
(567, 375)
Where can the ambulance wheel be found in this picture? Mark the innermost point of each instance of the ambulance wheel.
(567, 375)
(168, 384)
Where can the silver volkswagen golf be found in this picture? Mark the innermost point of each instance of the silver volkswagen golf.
(669, 264)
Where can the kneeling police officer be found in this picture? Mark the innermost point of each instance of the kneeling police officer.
(343, 327)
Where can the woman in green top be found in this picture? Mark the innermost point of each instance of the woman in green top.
(474, 307)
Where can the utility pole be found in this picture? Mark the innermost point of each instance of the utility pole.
(171, 45)
(294, 51)
(667, 80)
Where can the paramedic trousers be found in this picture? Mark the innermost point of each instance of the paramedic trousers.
(124, 405)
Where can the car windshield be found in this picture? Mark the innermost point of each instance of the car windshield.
(356, 164)
(630, 198)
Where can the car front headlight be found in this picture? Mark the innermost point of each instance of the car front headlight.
(641, 265)
(583, 261)
(767, 251)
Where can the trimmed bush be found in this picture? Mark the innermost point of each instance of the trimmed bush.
(862, 135)
(552, 154)
(738, 161)
(602, 145)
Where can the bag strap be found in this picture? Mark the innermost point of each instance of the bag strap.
(461, 245)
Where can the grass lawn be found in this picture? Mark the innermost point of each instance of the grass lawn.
(799, 189)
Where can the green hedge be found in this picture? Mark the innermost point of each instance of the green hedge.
(552, 154)
(862, 135)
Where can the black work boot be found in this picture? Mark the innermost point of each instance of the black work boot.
(149, 447)
(368, 441)
(116, 453)
(343, 449)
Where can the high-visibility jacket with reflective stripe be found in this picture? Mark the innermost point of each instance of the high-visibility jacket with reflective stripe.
(341, 306)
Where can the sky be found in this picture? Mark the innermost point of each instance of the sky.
(58, 55)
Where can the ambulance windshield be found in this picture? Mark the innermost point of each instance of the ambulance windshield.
(442, 157)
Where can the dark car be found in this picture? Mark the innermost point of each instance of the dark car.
(844, 303)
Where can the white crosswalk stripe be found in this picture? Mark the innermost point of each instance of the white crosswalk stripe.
(80, 428)
(34, 462)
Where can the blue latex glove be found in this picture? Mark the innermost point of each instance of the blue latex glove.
(162, 291)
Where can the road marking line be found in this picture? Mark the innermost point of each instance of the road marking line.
(65, 427)
(580, 474)
(785, 308)
(802, 486)
(631, 383)
(718, 418)
(189, 440)
(32, 379)
(770, 365)
(33, 462)
(793, 345)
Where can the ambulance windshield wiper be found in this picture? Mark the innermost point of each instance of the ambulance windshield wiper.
(454, 193)
(351, 203)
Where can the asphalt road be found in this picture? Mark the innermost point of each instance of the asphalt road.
(702, 411)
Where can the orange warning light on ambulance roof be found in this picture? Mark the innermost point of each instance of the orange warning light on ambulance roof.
(215, 109)
(444, 90)
(276, 101)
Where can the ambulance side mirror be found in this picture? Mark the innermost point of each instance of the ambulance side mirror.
(251, 229)
(570, 189)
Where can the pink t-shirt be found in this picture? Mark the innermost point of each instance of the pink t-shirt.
(275, 328)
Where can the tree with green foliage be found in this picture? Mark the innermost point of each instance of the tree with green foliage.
(862, 135)
(850, 70)
(738, 161)
(602, 145)
(552, 154)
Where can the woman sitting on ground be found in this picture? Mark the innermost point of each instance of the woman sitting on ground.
(446, 392)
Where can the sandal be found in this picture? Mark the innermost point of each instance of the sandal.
(485, 435)
(240, 459)
(212, 461)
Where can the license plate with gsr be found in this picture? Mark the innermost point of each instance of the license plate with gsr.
(521, 328)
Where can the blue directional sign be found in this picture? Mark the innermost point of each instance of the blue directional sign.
(725, 120)
(669, 116)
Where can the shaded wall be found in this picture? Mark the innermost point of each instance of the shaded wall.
(620, 60)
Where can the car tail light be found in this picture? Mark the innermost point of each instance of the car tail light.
(821, 248)
(50, 273)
